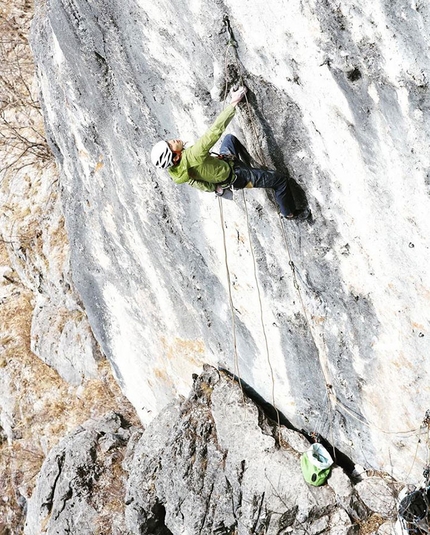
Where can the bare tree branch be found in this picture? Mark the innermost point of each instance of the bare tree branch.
(22, 136)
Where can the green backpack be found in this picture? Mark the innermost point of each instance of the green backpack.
(316, 465)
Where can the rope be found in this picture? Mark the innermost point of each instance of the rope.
(262, 159)
(365, 422)
(324, 365)
(232, 44)
(272, 375)
(425, 425)
(414, 459)
(319, 424)
(230, 297)
(335, 403)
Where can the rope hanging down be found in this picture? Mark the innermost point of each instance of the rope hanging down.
(232, 43)
(266, 341)
(230, 297)
(335, 403)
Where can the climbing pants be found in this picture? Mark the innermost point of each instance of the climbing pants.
(259, 178)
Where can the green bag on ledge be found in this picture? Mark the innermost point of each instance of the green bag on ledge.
(316, 465)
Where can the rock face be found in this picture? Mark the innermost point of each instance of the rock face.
(331, 319)
(210, 464)
(219, 469)
(81, 485)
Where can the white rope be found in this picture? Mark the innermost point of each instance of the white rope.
(263, 327)
(230, 297)
(335, 403)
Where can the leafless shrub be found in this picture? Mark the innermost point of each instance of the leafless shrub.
(41, 408)
(22, 138)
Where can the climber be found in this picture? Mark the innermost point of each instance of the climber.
(231, 168)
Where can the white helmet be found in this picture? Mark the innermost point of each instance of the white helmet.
(162, 155)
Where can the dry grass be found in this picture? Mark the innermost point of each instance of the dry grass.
(43, 407)
(24, 153)
(371, 525)
(21, 123)
(37, 407)
(109, 495)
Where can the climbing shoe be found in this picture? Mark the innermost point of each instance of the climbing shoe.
(304, 213)
(299, 215)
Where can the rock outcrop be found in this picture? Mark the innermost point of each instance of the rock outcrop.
(210, 464)
(81, 485)
(40, 313)
(331, 319)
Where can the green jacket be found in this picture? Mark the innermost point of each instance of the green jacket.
(197, 166)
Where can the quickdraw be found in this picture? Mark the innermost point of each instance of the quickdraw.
(229, 30)
(226, 157)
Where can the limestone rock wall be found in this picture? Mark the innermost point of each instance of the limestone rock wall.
(210, 464)
(32, 225)
(331, 319)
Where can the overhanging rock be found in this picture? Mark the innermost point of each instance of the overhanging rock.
(338, 98)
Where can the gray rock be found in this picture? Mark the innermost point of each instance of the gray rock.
(64, 340)
(338, 99)
(387, 528)
(213, 463)
(341, 524)
(340, 483)
(80, 487)
(295, 440)
(217, 470)
(378, 495)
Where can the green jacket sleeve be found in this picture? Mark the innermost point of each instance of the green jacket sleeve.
(201, 148)
(196, 166)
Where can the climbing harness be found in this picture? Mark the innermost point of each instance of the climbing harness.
(225, 157)
(228, 182)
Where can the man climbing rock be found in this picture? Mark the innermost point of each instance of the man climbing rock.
(202, 170)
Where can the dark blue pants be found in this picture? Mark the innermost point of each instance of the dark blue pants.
(259, 178)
